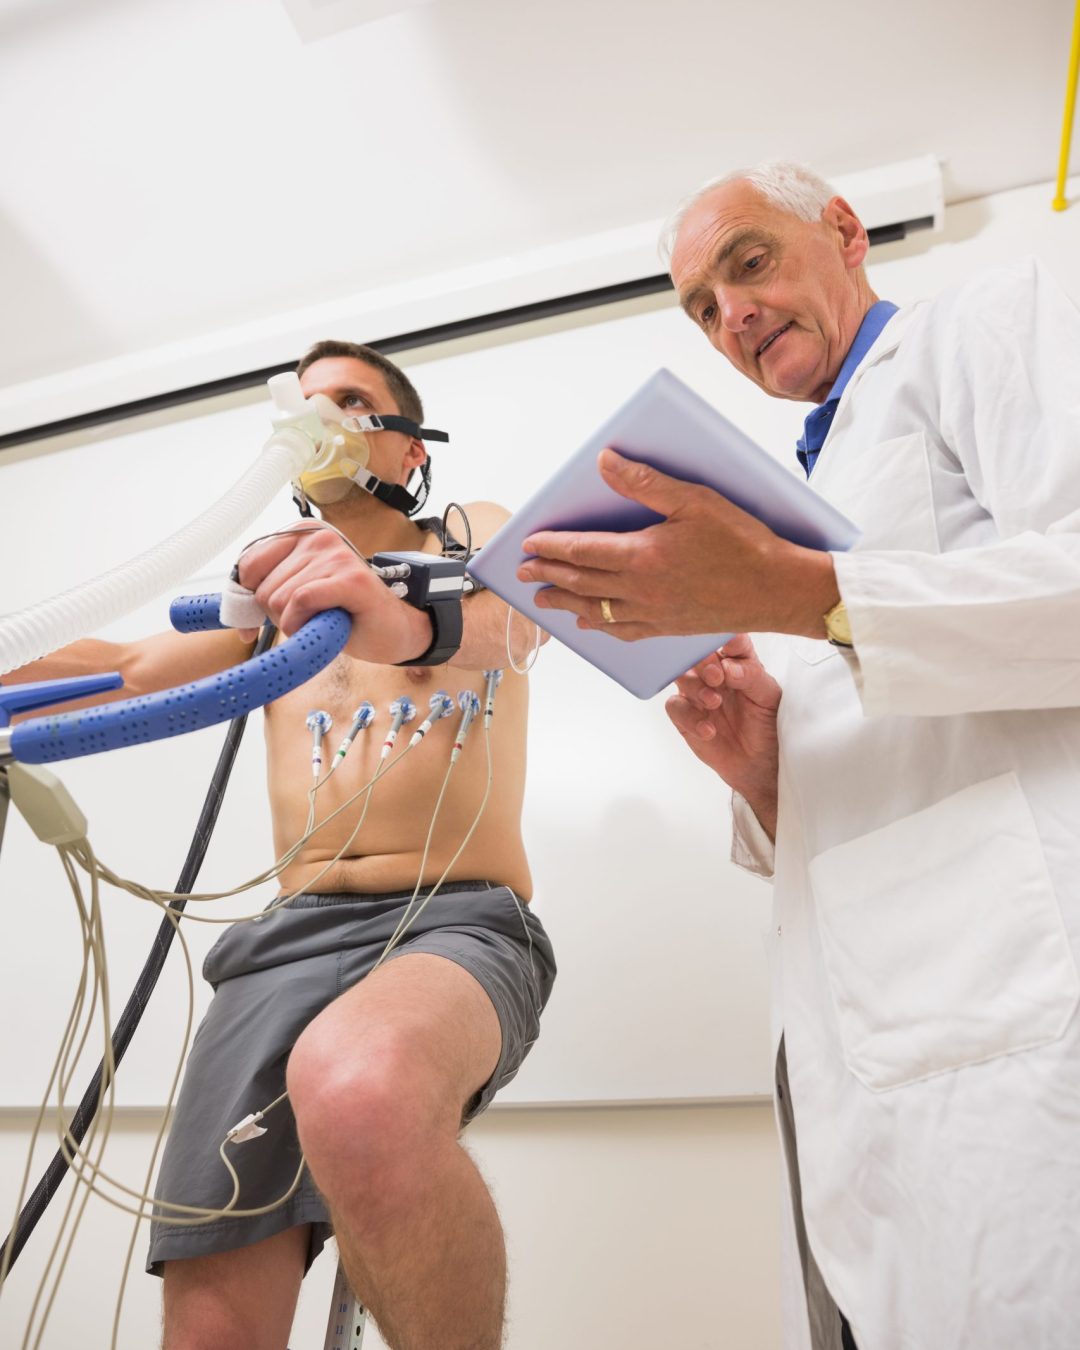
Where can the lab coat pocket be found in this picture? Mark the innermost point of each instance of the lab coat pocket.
(942, 938)
(886, 490)
(812, 651)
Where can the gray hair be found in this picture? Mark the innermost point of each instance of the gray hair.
(790, 186)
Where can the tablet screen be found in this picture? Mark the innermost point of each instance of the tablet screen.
(670, 427)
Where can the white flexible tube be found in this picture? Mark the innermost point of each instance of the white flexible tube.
(40, 629)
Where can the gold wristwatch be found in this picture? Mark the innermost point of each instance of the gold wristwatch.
(837, 625)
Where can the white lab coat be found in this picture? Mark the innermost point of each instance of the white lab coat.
(927, 865)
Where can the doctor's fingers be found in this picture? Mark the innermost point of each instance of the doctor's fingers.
(753, 681)
(742, 669)
(701, 692)
(572, 579)
(711, 673)
(595, 551)
(688, 720)
(607, 614)
(709, 670)
(738, 648)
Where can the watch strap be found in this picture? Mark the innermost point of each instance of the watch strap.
(446, 628)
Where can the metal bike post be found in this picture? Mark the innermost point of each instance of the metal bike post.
(348, 1316)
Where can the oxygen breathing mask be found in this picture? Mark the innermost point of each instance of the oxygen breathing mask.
(344, 454)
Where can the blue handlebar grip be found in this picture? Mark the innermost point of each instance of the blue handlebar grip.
(196, 613)
(189, 707)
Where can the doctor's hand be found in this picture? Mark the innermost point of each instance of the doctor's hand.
(725, 711)
(708, 567)
(299, 573)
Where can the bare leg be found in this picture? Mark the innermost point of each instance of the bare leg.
(243, 1298)
(378, 1083)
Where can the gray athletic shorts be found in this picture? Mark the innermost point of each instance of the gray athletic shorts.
(271, 978)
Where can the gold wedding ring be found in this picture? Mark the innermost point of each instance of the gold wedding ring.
(605, 611)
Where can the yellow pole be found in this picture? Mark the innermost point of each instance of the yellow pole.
(1059, 202)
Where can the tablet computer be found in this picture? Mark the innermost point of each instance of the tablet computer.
(667, 425)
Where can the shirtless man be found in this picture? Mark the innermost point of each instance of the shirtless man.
(382, 1068)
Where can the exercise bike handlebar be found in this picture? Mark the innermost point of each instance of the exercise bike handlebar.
(188, 707)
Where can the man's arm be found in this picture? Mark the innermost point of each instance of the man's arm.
(301, 573)
(484, 615)
(146, 665)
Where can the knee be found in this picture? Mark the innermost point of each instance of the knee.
(368, 1109)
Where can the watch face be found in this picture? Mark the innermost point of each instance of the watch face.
(837, 627)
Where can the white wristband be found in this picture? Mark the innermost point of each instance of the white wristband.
(239, 608)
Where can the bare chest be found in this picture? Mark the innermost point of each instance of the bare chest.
(346, 683)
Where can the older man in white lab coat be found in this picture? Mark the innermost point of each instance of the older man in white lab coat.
(920, 775)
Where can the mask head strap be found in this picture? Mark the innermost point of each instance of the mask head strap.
(391, 422)
(393, 494)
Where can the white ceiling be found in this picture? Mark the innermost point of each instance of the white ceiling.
(171, 167)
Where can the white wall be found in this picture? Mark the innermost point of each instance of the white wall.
(193, 165)
(644, 1228)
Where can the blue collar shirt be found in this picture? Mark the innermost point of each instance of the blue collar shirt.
(817, 424)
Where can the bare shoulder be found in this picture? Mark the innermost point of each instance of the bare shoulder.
(485, 518)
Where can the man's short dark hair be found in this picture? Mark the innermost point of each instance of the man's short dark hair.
(405, 396)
